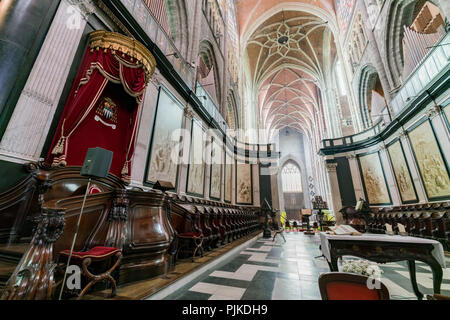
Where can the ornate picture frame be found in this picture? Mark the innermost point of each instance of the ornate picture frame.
(446, 113)
(168, 118)
(430, 160)
(402, 172)
(215, 181)
(244, 183)
(374, 179)
(195, 183)
(228, 177)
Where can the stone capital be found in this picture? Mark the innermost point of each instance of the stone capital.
(188, 112)
(433, 111)
(86, 7)
(331, 167)
(402, 134)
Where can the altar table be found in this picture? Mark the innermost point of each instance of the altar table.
(383, 248)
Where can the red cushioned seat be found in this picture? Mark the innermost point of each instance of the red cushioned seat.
(349, 286)
(350, 291)
(96, 253)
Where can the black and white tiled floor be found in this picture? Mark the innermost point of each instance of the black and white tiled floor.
(269, 270)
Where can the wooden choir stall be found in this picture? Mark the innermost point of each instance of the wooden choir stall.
(151, 229)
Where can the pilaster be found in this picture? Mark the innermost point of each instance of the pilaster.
(28, 127)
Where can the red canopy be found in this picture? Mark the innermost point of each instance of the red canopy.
(98, 113)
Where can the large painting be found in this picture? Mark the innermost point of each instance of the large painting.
(402, 174)
(216, 171)
(169, 118)
(196, 175)
(374, 180)
(432, 166)
(244, 192)
(228, 178)
(447, 115)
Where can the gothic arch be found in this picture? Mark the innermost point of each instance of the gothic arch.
(303, 172)
(207, 62)
(177, 18)
(367, 82)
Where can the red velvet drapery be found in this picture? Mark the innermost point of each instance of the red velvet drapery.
(104, 74)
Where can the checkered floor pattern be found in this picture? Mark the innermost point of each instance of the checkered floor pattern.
(276, 270)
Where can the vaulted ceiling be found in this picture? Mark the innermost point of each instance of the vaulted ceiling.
(250, 10)
(288, 56)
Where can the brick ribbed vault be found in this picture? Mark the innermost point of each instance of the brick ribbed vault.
(289, 75)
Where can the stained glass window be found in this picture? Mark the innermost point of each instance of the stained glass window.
(291, 178)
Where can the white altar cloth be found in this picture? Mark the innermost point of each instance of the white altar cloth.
(438, 251)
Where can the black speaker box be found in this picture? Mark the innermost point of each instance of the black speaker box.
(97, 163)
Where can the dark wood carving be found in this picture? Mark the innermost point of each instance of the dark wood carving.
(143, 224)
(429, 221)
(33, 278)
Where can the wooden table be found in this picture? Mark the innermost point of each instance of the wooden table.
(386, 248)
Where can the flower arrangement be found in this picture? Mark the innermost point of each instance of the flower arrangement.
(362, 267)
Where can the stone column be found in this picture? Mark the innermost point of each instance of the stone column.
(29, 125)
(256, 196)
(440, 128)
(208, 167)
(390, 176)
(356, 177)
(23, 28)
(275, 192)
(143, 135)
(335, 194)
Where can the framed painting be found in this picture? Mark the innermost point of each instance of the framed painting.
(446, 112)
(244, 187)
(374, 180)
(161, 165)
(432, 166)
(228, 177)
(215, 185)
(402, 173)
(196, 168)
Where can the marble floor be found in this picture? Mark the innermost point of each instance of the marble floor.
(269, 270)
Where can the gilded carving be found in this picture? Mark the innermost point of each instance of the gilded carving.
(123, 44)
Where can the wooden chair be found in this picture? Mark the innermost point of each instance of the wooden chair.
(349, 286)
(191, 239)
(97, 254)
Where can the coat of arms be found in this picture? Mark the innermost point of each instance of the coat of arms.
(107, 111)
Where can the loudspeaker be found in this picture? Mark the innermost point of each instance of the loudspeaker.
(97, 163)
(163, 186)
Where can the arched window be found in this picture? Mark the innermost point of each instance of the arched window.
(292, 179)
